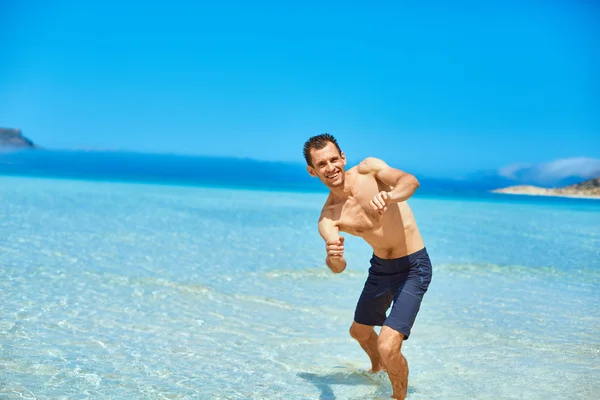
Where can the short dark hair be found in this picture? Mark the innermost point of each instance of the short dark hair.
(318, 142)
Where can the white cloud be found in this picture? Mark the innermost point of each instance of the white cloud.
(510, 171)
(549, 173)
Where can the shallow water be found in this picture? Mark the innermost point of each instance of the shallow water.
(114, 291)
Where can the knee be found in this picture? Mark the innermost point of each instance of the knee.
(361, 333)
(389, 346)
(386, 348)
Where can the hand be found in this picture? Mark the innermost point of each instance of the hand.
(335, 255)
(380, 202)
(336, 248)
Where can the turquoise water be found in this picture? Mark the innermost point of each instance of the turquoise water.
(140, 291)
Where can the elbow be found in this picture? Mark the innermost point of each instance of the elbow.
(337, 270)
(336, 266)
(415, 183)
(409, 182)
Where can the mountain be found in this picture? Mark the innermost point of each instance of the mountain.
(552, 174)
(214, 171)
(14, 139)
(589, 188)
(592, 185)
(192, 170)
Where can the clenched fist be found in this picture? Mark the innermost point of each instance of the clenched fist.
(336, 248)
(335, 255)
(380, 201)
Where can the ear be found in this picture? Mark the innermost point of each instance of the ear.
(311, 171)
(343, 158)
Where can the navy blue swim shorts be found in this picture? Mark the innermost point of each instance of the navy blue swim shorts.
(402, 281)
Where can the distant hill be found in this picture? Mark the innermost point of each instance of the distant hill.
(589, 188)
(188, 170)
(13, 138)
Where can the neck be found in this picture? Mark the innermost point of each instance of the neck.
(342, 191)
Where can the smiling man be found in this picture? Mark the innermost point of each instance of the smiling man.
(369, 201)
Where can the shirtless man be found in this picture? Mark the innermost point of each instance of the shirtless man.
(369, 201)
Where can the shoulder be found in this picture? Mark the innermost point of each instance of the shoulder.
(327, 210)
(371, 165)
(327, 219)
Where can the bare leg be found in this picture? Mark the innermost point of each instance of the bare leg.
(389, 344)
(367, 338)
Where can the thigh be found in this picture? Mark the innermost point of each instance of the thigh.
(408, 297)
(374, 301)
(404, 311)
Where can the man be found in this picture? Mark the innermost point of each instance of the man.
(369, 201)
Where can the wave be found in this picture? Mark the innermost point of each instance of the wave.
(309, 273)
(206, 292)
(519, 270)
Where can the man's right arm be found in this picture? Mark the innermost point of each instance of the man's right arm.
(335, 244)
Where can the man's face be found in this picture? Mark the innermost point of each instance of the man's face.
(328, 165)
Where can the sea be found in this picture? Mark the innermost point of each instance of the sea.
(154, 284)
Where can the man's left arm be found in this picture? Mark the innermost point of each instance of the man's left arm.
(403, 184)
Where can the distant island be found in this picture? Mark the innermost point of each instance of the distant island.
(13, 139)
(587, 189)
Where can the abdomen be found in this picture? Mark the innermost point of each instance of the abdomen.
(398, 236)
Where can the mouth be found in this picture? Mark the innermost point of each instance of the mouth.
(333, 176)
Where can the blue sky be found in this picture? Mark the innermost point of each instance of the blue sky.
(428, 86)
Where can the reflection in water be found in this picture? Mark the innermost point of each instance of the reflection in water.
(324, 382)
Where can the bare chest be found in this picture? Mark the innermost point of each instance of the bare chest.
(357, 217)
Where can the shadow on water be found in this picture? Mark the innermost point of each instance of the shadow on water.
(324, 382)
